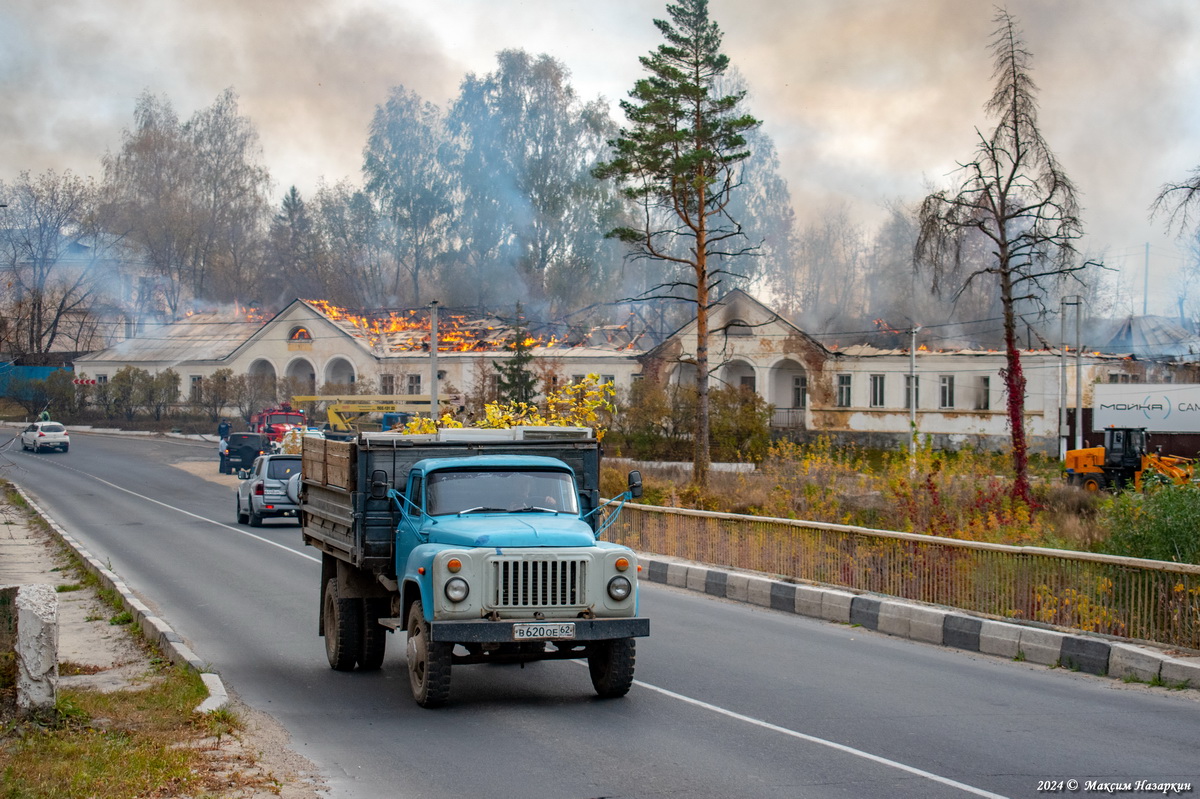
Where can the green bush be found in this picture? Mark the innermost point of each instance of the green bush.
(1162, 524)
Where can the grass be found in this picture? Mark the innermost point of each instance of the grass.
(105, 745)
(963, 494)
(146, 740)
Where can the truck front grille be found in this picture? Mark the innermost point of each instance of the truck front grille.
(538, 583)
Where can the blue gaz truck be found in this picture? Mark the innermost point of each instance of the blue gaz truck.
(481, 546)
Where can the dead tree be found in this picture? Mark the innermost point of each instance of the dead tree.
(1016, 197)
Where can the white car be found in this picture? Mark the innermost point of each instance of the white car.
(45, 435)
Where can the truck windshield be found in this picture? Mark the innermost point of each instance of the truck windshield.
(451, 492)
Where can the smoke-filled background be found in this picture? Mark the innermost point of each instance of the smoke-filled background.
(867, 101)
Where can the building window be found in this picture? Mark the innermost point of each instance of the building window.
(608, 379)
(946, 394)
(738, 328)
(984, 401)
(101, 380)
(1122, 377)
(843, 391)
(747, 382)
(800, 391)
(196, 387)
(912, 392)
(387, 384)
(876, 391)
(577, 379)
(413, 384)
(299, 334)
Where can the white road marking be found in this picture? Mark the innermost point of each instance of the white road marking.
(766, 725)
(246, 533)
(813, 739)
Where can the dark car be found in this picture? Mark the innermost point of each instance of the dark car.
(243, 448)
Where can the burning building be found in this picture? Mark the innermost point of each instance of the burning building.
(314, 344)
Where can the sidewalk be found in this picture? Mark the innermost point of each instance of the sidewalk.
(96, 655)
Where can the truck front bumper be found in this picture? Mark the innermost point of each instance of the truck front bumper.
(482, 631)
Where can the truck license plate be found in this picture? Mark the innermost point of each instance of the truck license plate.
(535, 632)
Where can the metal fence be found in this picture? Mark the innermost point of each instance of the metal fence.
(1127, 597)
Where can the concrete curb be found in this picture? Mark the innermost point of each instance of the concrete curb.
(931, 624)
(157, 631)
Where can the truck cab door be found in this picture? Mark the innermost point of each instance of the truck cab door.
(408, 530)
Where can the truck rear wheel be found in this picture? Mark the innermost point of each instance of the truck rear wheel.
(1093, 482)
(343, 628)
(374, 634)
(611, 666)
(428, 662)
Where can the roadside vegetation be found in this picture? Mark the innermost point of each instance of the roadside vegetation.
(965, 494)
(145, 740)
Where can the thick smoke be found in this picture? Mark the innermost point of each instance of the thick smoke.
(866, 100)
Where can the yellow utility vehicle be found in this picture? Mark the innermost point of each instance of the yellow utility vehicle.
(1124, 461)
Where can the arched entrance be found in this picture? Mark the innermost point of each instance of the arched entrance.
(340, 372)
(739, 374)
(788, 392)
(303, 376)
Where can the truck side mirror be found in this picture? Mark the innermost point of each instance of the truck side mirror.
(379, 484)
(635, 484)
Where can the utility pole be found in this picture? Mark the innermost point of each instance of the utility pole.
(912, 394)
(1078, 373)
(1062, 380)
(1063, 429)
(433, 356)
(1146, 279)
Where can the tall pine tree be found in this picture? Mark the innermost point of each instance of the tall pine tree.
(678, 160)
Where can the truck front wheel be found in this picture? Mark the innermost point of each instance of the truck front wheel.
(428, 662)
(611, 666)
(343, 628)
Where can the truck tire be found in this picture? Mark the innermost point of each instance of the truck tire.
(428, 662)
(1093, 482)
(611, 665)
(374, 638)
(343, 628)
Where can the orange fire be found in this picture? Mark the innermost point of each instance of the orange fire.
(456, 333)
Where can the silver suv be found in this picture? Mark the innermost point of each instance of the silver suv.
(263, 490)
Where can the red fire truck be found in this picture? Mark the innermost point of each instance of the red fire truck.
(275, 422)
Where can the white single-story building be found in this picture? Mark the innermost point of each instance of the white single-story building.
(316, 346)
(858, 393)
(864, 394)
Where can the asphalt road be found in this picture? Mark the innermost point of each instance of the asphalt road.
(731, 700)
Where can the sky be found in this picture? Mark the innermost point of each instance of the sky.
(868, 101)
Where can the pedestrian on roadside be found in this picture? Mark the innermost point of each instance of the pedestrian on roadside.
(223, 429)
(223, 454)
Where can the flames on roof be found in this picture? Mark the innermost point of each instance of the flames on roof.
(408, 331)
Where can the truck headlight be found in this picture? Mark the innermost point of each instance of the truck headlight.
(456, 589)
(619, 588)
